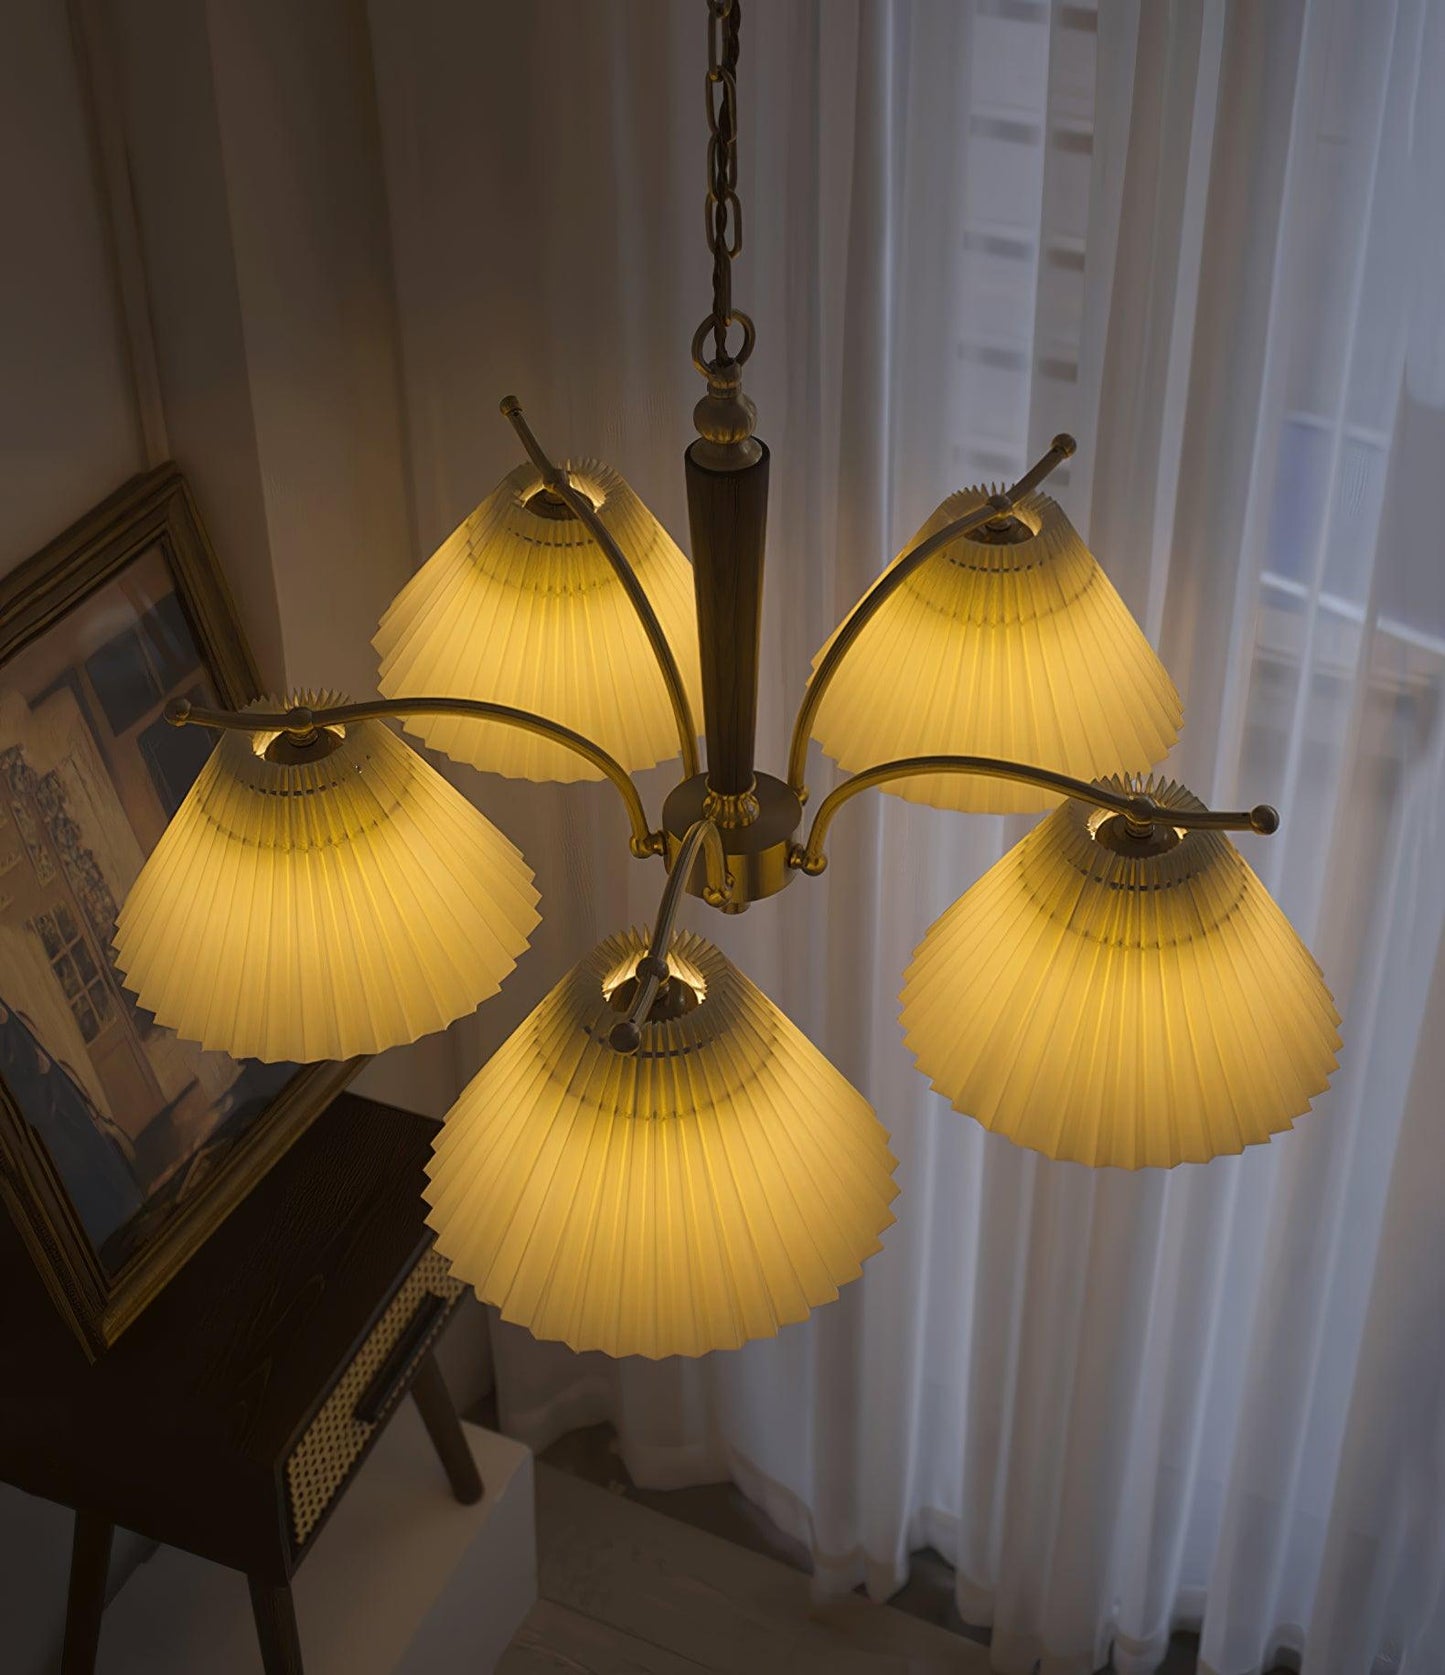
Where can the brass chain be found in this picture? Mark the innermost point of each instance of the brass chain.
(723, 213)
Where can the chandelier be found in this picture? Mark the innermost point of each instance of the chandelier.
(657, 1161)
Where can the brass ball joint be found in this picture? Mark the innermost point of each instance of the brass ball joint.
(626, 1036)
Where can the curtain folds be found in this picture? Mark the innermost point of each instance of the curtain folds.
(1204, 237)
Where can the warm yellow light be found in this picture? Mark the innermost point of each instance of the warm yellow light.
(707, 1190)
(1141, 1010)
(338, 904)
(519, 606)
(1016, 649)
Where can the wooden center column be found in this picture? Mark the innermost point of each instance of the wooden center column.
(727, 507)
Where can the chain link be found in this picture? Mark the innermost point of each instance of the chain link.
(723, 215)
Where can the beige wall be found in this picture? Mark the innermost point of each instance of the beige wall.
(68, 431)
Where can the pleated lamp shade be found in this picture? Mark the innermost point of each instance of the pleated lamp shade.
(1139, 1010)
(321, 908)
(707, 1190)
(1016, 649)
(519, 606)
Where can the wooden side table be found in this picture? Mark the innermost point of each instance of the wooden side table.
(230, 1418)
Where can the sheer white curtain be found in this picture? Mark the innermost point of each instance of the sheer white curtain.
(1207, 239)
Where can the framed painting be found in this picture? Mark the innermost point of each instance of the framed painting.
(121, 1146)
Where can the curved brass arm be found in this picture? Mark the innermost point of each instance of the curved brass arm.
(1140, 811)
(555, 479)
(652, 971)
(301, 722)
(889, 582)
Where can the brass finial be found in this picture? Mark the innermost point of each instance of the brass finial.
(724, 419)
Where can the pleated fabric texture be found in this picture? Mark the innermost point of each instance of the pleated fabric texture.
(707, 1190)
(1139, 1011)
(322, 909)
(521, 608)
(1021, 650)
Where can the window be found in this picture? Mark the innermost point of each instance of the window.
(76, 969)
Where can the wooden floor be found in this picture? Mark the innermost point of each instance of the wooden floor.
(625, 1589)
(688, 1546)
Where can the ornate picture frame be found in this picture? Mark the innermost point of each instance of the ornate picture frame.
(121, 1147)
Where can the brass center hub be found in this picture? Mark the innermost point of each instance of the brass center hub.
(757, 851)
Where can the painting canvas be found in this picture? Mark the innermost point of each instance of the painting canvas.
(132, 1128)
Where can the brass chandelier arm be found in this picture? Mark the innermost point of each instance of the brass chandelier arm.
(556, 482)
(1140, 813)
(301, 723)
(888, 583)
(652, 969)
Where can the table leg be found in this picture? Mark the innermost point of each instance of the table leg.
(89, 1568)
(434, 1402)
(275, 1615)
